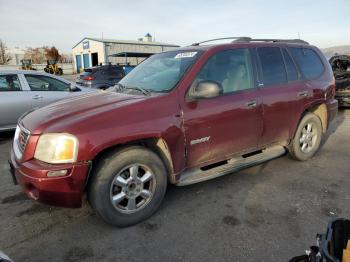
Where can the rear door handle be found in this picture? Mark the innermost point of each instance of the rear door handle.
(37, 97)
(303, 93)
(251, 104)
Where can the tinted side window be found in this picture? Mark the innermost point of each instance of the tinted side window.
(272, 66)
(308, 61)
(45, 83)
(292, 71)
(9, 83)
(231, 69)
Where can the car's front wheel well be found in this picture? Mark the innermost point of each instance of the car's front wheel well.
(157, 145)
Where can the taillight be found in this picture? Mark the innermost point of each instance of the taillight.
(89, 78)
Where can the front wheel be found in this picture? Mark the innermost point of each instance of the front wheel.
(307, 138)
(128, 186)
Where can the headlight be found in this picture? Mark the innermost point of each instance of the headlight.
(57, 148)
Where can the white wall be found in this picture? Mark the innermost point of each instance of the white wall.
(94, 47)
(114, 48)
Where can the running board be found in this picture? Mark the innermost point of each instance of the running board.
(232, 165)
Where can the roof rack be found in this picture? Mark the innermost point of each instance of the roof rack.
(222, 38)
(245, 39)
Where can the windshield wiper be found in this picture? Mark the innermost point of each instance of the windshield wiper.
(120, 87)
(144, 91)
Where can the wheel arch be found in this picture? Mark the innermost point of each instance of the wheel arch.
(156, 144)
(320, 110)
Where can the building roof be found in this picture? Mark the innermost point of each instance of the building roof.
(132, 42)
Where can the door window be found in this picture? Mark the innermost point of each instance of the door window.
(9, 83)
(45, 83)
(292, 71)
(308, 61)
(272, 66)
(231, 69)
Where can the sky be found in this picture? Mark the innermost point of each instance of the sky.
(64, 23)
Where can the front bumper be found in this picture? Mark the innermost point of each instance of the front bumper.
(65, 191)
(343, 97)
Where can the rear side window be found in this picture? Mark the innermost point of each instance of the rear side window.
(308, 61)
(272, 66)
(45, 83)
(114, 72)
(292, 71)
(9, 83)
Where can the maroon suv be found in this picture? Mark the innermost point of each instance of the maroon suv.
(180, 117)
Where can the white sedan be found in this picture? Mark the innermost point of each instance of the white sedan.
(23, 90)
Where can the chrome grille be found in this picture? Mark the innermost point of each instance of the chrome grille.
(23, 137)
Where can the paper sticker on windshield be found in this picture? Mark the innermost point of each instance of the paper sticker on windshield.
(185, 55)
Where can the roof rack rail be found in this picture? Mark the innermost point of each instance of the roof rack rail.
(245, 39)
(248, 39)
(222, 38)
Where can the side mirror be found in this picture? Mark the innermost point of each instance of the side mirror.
(73, 88)
(206, 89)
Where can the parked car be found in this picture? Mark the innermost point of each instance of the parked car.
(180, 117)
(341, 69)
(101, 77)
(23, 90)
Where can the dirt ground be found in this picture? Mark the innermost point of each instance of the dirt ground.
(270, 212)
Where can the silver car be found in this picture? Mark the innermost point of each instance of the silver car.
(22, 90)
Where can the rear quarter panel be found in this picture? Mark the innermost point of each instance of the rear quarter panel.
(319, 90)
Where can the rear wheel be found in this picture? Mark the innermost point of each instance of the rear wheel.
(128, 186)
(307, 138)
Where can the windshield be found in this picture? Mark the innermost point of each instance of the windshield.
(160, 72)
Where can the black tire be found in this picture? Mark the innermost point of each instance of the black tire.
(304, 136)
(50, 70)
(60, 71)
(102, 182)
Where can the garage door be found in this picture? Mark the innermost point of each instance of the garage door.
(78, 62)
(86, 60)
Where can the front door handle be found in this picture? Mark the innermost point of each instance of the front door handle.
(251, 104)
(303, 93)
(37, 97)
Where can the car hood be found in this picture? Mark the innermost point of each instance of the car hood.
(75, 109)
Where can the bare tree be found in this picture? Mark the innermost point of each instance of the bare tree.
(52, 53)
(5, 57)
(37, 55)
